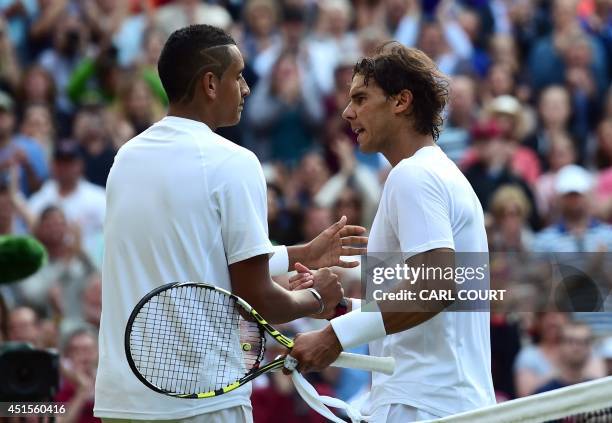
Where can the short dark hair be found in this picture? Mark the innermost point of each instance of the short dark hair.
(188, 53)
(395, 67)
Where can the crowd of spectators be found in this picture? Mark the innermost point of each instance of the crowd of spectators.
(529, 121)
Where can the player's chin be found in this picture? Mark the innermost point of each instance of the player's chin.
(364, 147)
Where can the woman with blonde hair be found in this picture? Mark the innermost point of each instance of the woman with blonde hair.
(509, 212)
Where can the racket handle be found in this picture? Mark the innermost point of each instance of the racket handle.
(384, 365)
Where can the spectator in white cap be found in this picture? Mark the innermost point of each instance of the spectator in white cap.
(576, 230)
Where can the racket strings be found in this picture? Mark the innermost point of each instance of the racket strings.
(186, 340)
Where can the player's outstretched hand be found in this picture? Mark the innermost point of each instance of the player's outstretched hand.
(338, 240)
(315, 350)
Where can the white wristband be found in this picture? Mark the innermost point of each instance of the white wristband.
(279, 261)
(355, 303)
(359, 327)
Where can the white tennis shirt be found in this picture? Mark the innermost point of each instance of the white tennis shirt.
(182, 203)
(443, 366)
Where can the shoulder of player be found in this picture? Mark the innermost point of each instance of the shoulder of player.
(235, 153)
(410, 171)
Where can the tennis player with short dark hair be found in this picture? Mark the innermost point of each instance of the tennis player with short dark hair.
(427, 210)
(185, 204)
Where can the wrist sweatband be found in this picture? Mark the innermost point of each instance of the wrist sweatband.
(279, 262)
(359, 327)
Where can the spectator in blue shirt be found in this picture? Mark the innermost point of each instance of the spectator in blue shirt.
(576, 230)
(20, 151)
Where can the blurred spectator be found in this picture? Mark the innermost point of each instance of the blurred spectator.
(283, 223)
(96, 79)
(96, 149)
(180, 13)
(152, 43)
(78, 369)
(18, 14)
(536, 364)
(55, 290)
(351, 174)
(82, 202)
(47, 18)
(316, 220)
(349, 204)
(294, 39)
(510, 231)
(70, 43)
(512, 118)
(306, 181)
(546, 64)
(331, 39)
(9, 64)
(574, 359)
(91, 305)
(285, 110)
(462, 115)
(561, 153)
(582, 84)
(37, 87)
(24, 326)
(261, 19)
(596, 21)
(138, 107)
(603, 162)
(504, 53)
(554, 110)
(443, 39)
(37, 124)
(15, 217)
(20, 151)
(492, 167)
(576, 230)
(379, 14)
(110, 20)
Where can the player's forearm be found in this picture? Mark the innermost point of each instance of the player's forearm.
(280, 306)
(298, 254)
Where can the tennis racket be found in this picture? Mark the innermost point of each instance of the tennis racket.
(194, 340)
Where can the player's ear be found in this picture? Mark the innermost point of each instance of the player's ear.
(403, 101)
(209, 84)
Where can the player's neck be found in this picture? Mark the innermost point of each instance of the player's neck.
(405, 144)
(190, 112)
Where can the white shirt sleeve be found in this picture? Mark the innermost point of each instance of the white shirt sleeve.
(418, 210)
(242, 204)
(279, 262)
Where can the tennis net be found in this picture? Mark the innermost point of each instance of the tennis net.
(588, 402)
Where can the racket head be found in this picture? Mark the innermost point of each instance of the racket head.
(189, 340)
